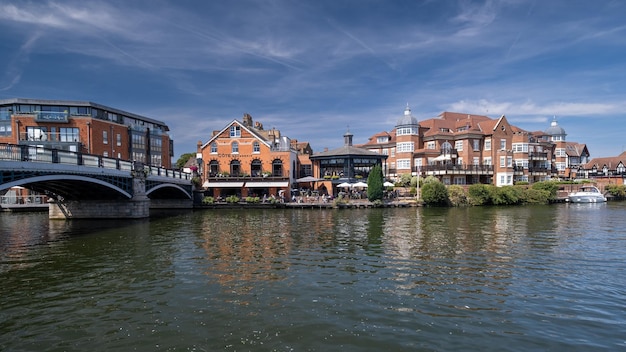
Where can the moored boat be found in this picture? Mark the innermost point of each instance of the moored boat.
(587, 194)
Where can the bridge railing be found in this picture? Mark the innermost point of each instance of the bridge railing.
(29, 153)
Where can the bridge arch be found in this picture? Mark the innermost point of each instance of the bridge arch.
(71, 187)
(171, 191)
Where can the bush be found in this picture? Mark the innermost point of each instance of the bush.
(506, 195)
(253, 200)
(616, 190)
(550, 186)
(479, 194)
(232, 199)
(536, 196)
(457, 196)
(208, 200)
(405, 180)
(434, 193)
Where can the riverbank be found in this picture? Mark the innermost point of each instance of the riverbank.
(353, 204)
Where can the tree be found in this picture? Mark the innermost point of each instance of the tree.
(405, 180)
(375, 184)
(180, 163)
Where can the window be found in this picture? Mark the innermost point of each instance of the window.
(458, 145)
(476, 144)
(403, 131)
(502, 144)
(214, 148)
(256, 147)
(560, 152)
(393, 152)
(235, 131)
(105, 137)
(405, 147)
(119, 140)
(404, 164)
(234, 148)
(509, 161)
(459, 180)
(520, 147)
(502, 161)
(384, 139)
(68, 134)
(37, 133)
(487, 161)
(488, 144)
(430, 145)
(475, 160)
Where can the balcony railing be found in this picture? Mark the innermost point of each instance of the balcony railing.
(49, 137)
(458, 168)
(538, 156)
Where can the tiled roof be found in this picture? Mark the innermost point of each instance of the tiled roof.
(611, 162)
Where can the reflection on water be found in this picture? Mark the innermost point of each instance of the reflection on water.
(510, 278)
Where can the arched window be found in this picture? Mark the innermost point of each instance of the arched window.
(256, 147)
(214, 168)
(234, 148)
(446, 148)
(256, 168)
(277, 168)
(214, 148)
(235, 168)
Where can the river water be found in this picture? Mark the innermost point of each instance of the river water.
(541, 278)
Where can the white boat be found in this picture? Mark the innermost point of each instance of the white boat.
(587, 194)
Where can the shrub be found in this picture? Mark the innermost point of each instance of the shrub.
(457, 196)
(616, 190)
(232, 199)
(550, 186)
(536, 196)
(405, 180)
(479, 194)
(208, 200)
(506, 195)
(434, 193)
(253, 200)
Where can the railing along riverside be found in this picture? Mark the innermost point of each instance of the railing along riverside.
(14, 152)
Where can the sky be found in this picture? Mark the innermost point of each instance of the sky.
(314, 69)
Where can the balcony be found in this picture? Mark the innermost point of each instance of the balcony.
(539, 170)
(40, 137)
(456, 169)
(537, 156)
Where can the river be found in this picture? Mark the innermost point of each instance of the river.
(541, 278)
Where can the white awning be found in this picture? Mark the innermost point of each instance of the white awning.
(442, 157)
(267, 184)
(208, 184)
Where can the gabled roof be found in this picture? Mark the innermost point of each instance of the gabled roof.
(576, 149)
(611, 162)
(373, 140)
(251, 130)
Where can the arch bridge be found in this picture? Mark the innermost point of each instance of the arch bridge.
(82, 185)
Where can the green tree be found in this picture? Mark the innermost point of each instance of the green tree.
(375, 184)
(180, 163)
(434, 193)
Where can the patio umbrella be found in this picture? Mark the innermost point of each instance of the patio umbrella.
(359, 184)
(344, 185)
(388, 184)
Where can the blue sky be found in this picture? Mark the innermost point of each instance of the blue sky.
(315, 68)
